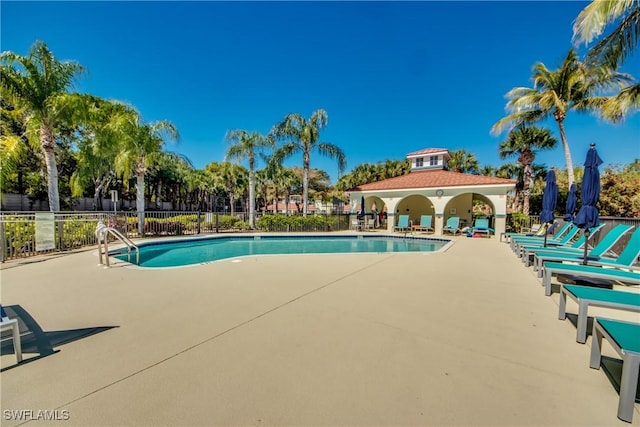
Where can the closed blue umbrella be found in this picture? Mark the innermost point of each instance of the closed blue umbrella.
(588, 216)
(570, 207)
(549, 201)
(362, 212)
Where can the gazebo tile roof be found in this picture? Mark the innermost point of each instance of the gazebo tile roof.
(433, 179)
(428, 151)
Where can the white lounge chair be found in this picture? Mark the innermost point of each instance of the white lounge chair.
(12, 325)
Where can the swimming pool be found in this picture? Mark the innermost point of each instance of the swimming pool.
(204, 250)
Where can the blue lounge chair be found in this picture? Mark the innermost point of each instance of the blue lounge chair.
(403, 224)
(528, 252)
(623, 337)
(538, 237)
(586, 296)
(481, 225)
(452, 226)
(627, 257)
(535, 230)
(425, 224)
(519, 245)
(603, 246)
(630, 276)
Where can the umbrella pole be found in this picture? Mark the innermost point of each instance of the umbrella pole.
(546, 230)
(586, 244)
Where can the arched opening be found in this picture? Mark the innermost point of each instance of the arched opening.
(468, 207)
(415, 206)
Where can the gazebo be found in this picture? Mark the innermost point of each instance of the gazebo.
(430, 189)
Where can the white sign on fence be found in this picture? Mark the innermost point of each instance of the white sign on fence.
(45, 231)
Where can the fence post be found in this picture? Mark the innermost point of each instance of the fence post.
(60, 224)
(199, 219)
(217, 223)
(3, 243)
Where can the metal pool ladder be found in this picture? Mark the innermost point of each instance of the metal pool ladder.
(102, 232)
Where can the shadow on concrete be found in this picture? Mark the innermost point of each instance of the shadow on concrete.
(37, 342)
(612, 367)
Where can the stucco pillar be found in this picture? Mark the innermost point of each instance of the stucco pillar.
(438, 224)
(500, 223)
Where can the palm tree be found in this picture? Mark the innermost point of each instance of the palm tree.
(141, 140)
(38, 82)
(573, 86)
(304, 137)
(463, 162)
(244, 146)
(614, 48)
(167, 167)
(488, 170)
(524, 142)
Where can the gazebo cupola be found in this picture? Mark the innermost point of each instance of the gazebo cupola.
(429, 158)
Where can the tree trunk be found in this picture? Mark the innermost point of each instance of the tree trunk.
(48, 147)
(140, 201)
(567, 151)
(252, 194)
(305, 184)
(528, 184)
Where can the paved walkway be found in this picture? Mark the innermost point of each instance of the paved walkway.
(464, 337)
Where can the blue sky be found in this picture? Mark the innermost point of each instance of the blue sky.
(393, 77)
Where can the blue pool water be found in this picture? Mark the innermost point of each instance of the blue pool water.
(198, 251)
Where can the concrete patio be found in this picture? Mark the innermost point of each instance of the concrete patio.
(464, 337)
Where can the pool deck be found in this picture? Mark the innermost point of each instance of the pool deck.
(463, 337)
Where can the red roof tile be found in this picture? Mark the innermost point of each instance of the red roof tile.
(433, 179)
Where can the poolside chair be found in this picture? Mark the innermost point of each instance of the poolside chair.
(624, 275)
(519, 244)
(481, 226)
(403, 224)
(425, 224)
(528, 252)
(623, 337)
(626, 259)
(12, 325)
(568, 226)
(452, 226)
(603, 246)
(586, 296)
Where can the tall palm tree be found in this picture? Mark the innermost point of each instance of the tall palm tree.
(488, 170)
(38, 82)
(244, 146)
(524, 142)
(463, 162)
(303, 136)
(167, 167)
(141, 140)
(573, 86)
(615, 47)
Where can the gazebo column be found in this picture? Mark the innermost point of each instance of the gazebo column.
(500, 223)
(438, 224)
(391, 203)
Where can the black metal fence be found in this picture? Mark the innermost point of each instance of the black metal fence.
(75, 230)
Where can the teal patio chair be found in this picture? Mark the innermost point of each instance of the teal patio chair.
(481, 225)
(603, 246)
(562, 236)
(453, 226)
(403, 224)
(623, 337)
(425, 224)
(626, 259)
